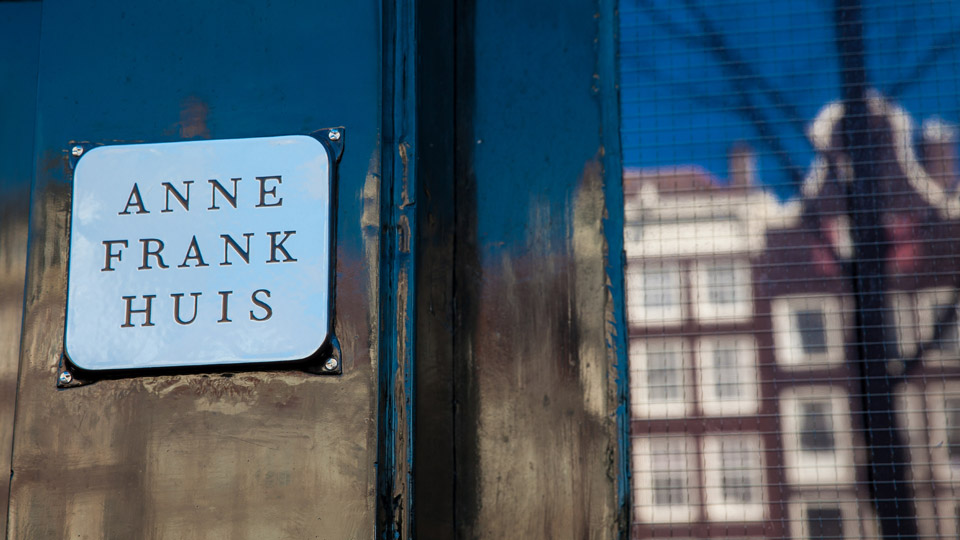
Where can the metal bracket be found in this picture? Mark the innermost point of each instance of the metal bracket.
(333, 138)
(68, 376)
(76, 150)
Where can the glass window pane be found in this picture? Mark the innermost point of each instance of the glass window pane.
(669, 466)
(953, 430)
(812, 329)
(722, 284)
(665, 376)
(948, 332)
(728, 382)
(816, 426)
(660, 288)
(824, 523)
(740, 473)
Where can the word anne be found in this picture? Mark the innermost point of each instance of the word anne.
(135, 200)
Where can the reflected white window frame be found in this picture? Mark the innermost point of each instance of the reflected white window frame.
(745, 347)
(787, 337)
(854, 528)
(903, 305)
(812, 467)
(636, 283)
(704, 308)
(640, 400)
(644, 450)
(927, 300)
(911, 408)
(717, 507)
(938, 394)
(948, 508)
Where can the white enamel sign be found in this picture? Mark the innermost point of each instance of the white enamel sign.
(199, 253)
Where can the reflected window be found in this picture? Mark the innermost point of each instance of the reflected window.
(659, 378)
(723, 290)
(661, 288)
(665, 375)
(654, 294)
(818, 436)
(824, 523)
(811, 325)
(948, 332)
(816, 426)
(944, 434)
(808, 331)
(734, 477)
(728, 375)
(722, 284)
(934, 305)
(665, 471)
(956, 519)
(952, 415)
(728, 380)
(739, 478)
(669, 466)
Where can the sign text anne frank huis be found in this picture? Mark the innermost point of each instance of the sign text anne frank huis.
(199, 253)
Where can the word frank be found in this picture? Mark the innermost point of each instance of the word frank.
(152, 251)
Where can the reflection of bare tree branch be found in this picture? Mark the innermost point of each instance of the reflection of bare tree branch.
(693, 92)
(943, 44)
(944, 319)
(903, 33)
(739, 73)
(731, 60)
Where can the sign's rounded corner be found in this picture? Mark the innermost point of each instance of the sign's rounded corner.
(327, 358)
(331, 139)
(76, 151)
(69, 360)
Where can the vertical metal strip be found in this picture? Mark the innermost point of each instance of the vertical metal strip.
(398, 212)
(608, 85)
(434, 259)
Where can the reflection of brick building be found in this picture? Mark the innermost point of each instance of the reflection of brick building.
(744, 390)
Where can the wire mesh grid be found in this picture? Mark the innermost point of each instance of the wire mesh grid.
(792, 238)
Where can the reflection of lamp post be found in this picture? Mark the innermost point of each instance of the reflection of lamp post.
(876, 337)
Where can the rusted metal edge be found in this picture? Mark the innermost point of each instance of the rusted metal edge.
(607, 85)
(398, 277)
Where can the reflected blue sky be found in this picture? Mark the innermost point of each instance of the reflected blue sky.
(19, 31)
(685, 101)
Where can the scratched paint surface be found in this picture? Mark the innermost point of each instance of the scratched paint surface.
(248, 455)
